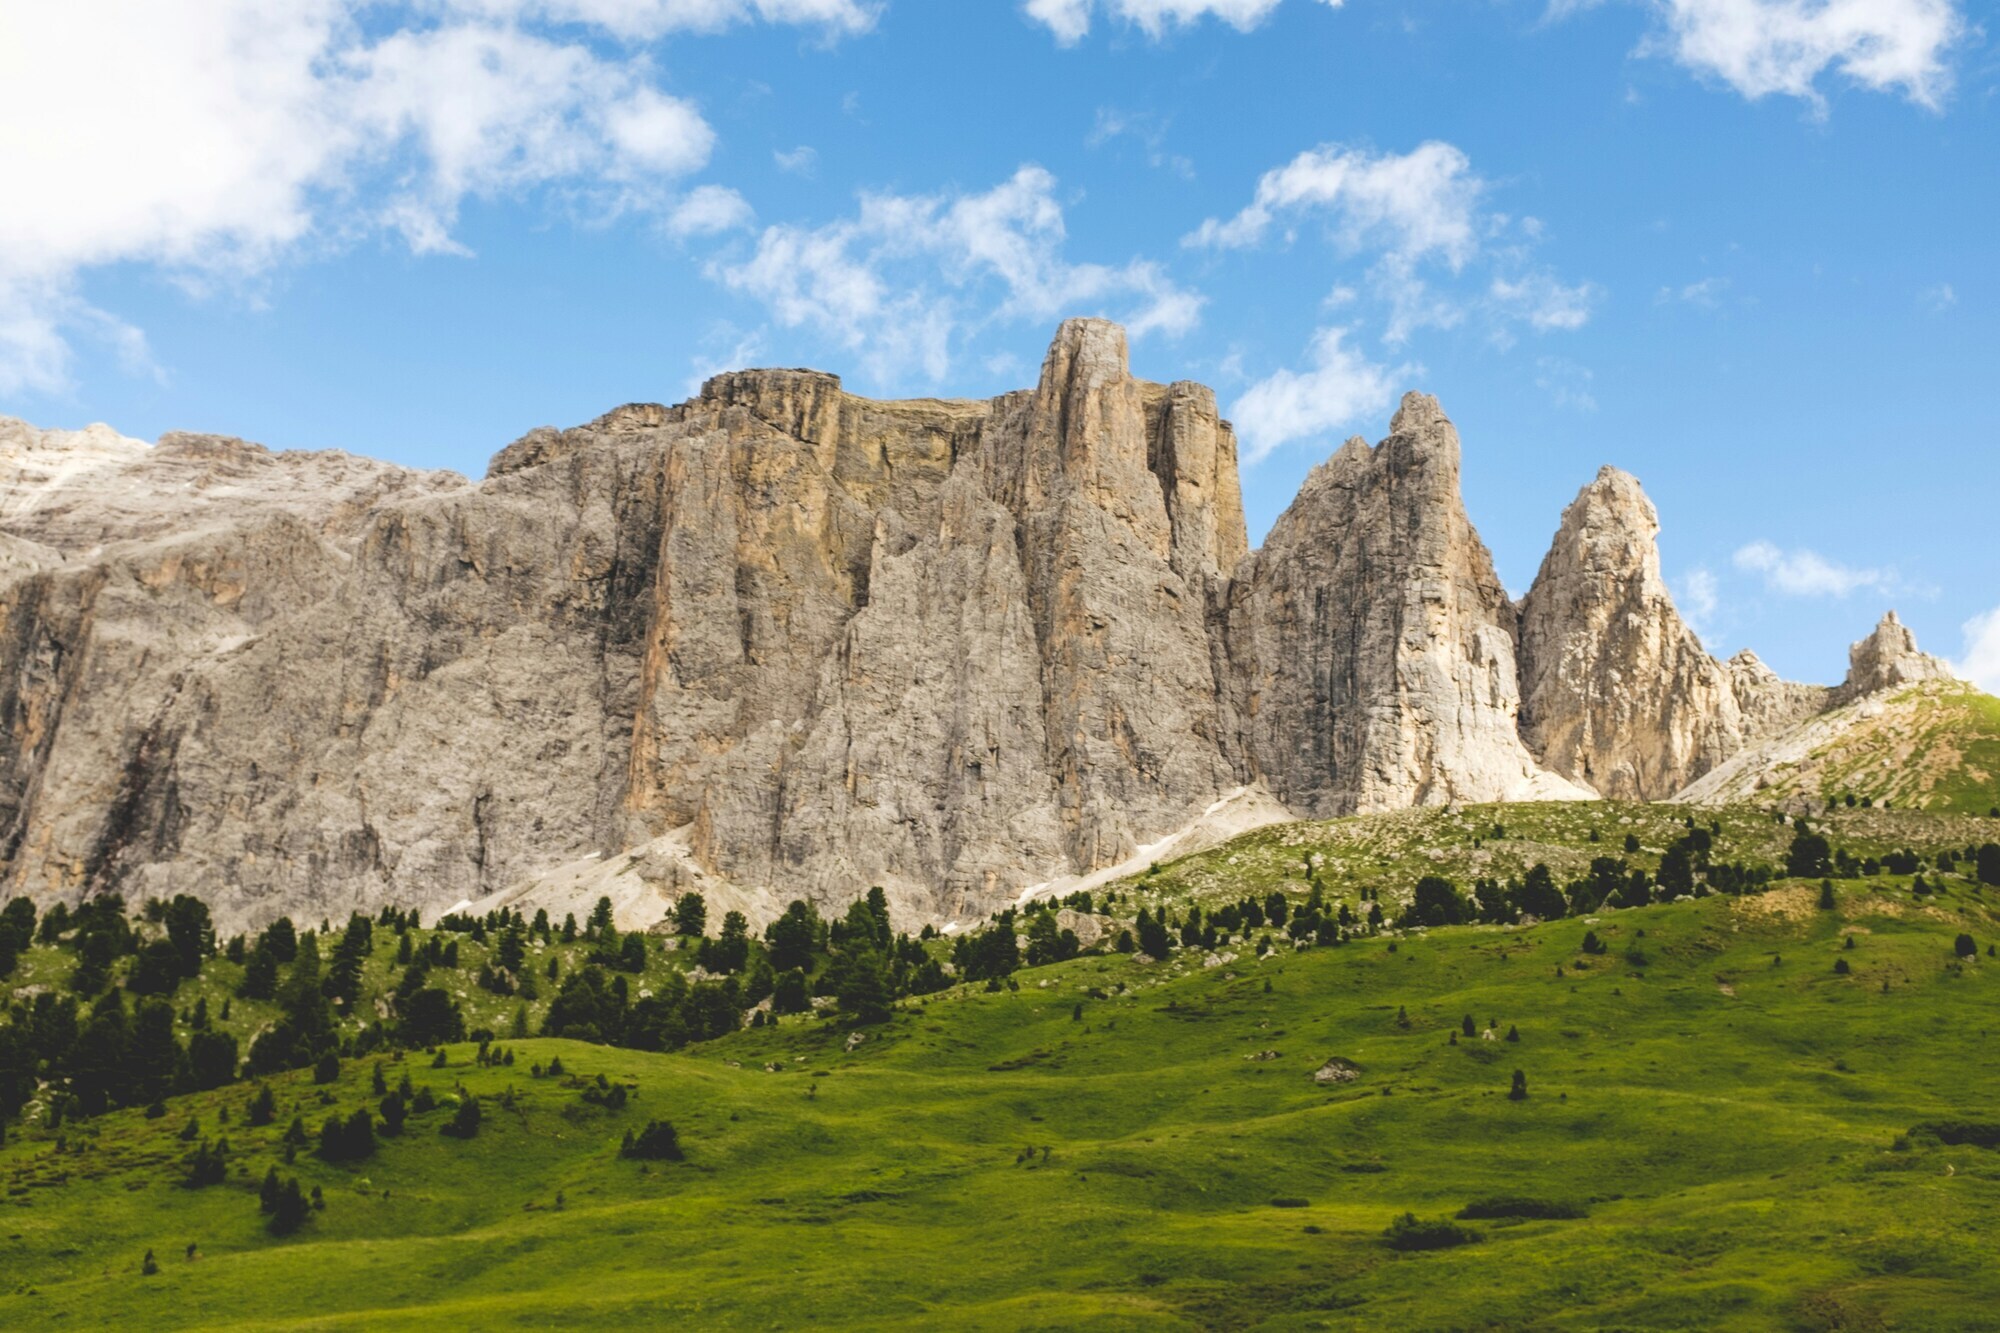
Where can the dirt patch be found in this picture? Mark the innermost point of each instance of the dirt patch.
(1797, 903)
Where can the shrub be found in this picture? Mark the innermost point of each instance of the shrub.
(1508, 1205)
(1409, 1232)
(1965, 947)
(1961, 1133)
(465, 1121)
(659, 1141)
(1290, 1201)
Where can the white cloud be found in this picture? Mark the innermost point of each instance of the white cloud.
(1981, 663)
(1566, 383)
(1760, 47)
(1700, 599)
(1939, 298)
(1413, 205)
(1149, 129)
(1416, 219)
(1804, 573)
(1341, 388)
(644, 20)
(709, 209)
(1544, 302)
(1706, 293)
(908, 274)
(1069, 20)
(801, 161)
(216, 139)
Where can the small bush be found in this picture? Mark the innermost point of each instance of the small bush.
(1957, 1133)
(1290, 1201)
(1511, 1206)
(1410, 1233)
(465, 1121)
(659, 1141)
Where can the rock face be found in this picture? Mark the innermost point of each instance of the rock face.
(822, 642)
(1371, 642)
(781, 641)
(1617, 692)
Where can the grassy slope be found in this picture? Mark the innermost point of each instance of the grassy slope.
(1735, 1149)
(1934, 746)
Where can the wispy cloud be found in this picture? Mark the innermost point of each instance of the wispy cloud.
(800, 161)
(1432, 256)
(1804, 573)
(1699, 596)
(907, 276)
(1339, 389)
(1981, 662)
(1566, 383)
(1707, 293)
(1070, 20)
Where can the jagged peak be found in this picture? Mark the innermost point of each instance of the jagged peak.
(1888, 657)
(1417, 412)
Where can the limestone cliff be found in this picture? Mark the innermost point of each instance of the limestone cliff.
(779, 640)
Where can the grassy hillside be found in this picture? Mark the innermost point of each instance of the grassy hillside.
(1934, 747)
(1728, 1117)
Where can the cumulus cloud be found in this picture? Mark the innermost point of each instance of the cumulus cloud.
(1803, 573)
(907, 275)
(1413, 205)
(1760, 47)
(1981, 663)
(221, 137)
(1069, 20)
(1341, 388)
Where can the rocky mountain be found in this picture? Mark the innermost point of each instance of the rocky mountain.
(780, 640)
(1371, 644)
(1617, 691)
(1900, 729)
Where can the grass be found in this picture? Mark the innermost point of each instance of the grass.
(1730, 1123)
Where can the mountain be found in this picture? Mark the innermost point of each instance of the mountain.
(783, 641)
(1617, 691)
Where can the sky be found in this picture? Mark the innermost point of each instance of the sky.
(1743, 249)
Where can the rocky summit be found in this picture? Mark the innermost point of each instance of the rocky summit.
(781, 641)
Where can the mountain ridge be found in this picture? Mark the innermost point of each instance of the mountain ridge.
(779, 640)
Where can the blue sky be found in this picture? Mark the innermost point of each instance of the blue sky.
(1741, 248)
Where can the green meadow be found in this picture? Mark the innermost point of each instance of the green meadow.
(1719, 1131)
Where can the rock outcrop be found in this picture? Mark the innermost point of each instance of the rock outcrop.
(1617, 692)
(1886, 659)
(781, 641)
(1371, 643)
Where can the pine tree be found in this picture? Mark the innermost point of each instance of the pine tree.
(291, 1209)
(465, 1121)
(263, 1107)
(1519, 1092)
